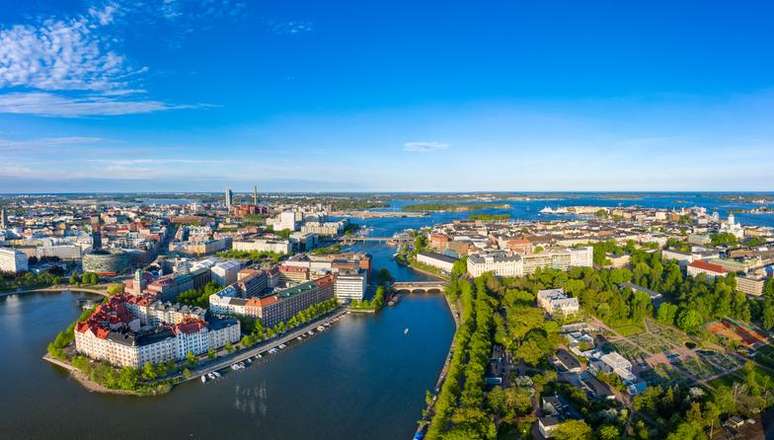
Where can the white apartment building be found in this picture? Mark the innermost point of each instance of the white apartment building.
(349, 286)
(281, 247)
(12, 260)
(501, 263)
(323, 229)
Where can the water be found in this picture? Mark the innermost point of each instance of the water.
(530, 209)
(362, 377)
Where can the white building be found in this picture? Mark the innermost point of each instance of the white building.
(555, 301)
(582, 257)
(12, 260)
(324, 229)
(225, 272)
(439, 261)
(285, 220)
(501, 263)
(68, 252)
(349, 286)
(281, 247)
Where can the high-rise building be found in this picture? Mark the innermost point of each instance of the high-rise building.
(96, 233)
(3, 219)
(255, 194)
(229, 198)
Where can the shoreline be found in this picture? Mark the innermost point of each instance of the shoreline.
(90, 385)
(212, 365)
(55, 289)
(424, 421)
(422, 271)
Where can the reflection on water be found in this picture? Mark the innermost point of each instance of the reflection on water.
(252, 401)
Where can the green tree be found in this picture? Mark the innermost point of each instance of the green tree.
(572, 430)
(609, 432)
(667, 313)
(190, 359)
(148, 372)
(689, 320)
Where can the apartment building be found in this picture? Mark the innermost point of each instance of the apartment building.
(282, 247)
(12, 260)
(501, 263)
(113, 334)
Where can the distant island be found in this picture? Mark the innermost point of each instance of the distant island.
(451, 207)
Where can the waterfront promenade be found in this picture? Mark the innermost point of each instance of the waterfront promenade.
(228, 360)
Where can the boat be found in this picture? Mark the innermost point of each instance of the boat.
(405, 331)
(204, 379)
(216, 374)
(282, 346)
(212, 376)
(272, 351)
(300, 338)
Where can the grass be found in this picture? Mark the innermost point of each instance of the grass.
(628, 328)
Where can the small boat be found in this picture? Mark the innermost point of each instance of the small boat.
(204, 379)
(282, 346)
(258, 356)
(272, 351)
(216, 374)
(405, 331)
(300, 338)
(212, 376)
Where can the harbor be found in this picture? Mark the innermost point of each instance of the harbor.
(244, 358)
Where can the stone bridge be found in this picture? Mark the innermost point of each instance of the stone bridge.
(419, 286)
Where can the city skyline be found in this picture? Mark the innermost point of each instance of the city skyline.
(196, 96)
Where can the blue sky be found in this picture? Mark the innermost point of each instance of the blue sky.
(177, 95)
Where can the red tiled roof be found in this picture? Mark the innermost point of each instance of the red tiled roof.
(710, 267)
(190, 326)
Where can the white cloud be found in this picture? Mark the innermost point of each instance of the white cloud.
(104, 15)
(69, 68)
(47, 104)
(62, 55)
(290, 27)
(28, 145)
(424, 147)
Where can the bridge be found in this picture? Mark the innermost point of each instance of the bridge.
(419, 286)
(366, 238)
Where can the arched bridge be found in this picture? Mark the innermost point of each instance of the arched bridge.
(419, 286)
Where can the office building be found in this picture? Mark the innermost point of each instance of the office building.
(350, 286)
(438, 261)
